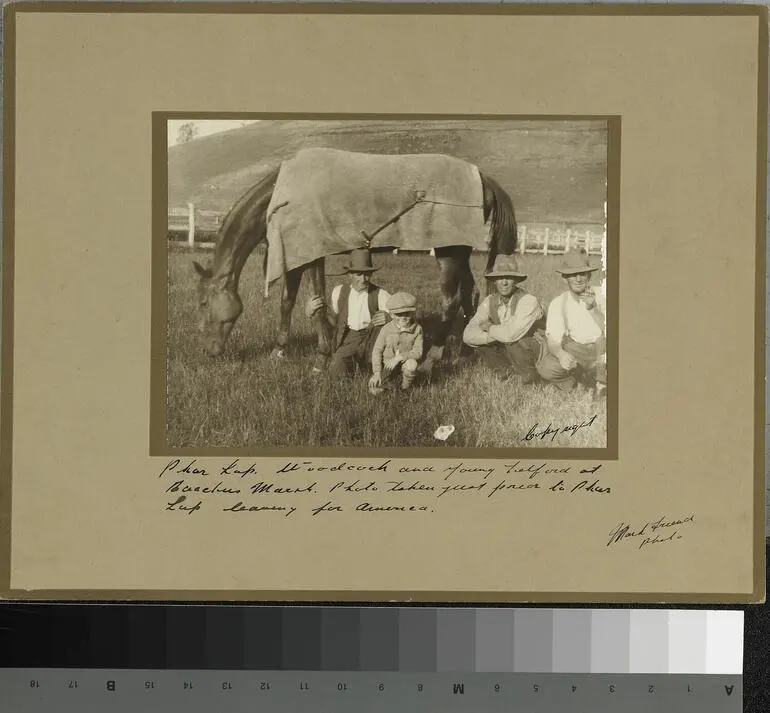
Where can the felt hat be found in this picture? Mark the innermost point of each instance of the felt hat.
(401, 302)
(360, 261)
(507, 266)
(575, 261)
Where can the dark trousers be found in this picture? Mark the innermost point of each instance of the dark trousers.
(590, 367)
(519, 357)
(355, 350)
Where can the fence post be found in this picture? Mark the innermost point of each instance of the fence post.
(523, 239)
(567, 240)
(545, 241)
(191, 224)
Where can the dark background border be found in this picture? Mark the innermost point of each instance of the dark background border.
(100, 635)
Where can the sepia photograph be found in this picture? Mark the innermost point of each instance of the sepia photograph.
(387, 283)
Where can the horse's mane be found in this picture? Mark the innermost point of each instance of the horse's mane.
(263, 188)
(234, 243)
(503, 231)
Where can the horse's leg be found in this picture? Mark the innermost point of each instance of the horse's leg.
(469, 296)
(320, 321)
(469, 293)
(288, 298)
(449, 282)
(489, 208)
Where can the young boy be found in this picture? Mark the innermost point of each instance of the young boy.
(399, 344)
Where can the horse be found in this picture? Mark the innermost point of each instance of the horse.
(245, 226)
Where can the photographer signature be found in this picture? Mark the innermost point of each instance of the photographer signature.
(553, 431)
(653, 532)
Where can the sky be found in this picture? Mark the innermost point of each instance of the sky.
(205, 127)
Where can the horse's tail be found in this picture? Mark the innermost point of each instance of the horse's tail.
(503, 229)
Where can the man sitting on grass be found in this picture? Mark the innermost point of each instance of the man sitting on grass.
(575, 330)
(507, 327)
(358, 312)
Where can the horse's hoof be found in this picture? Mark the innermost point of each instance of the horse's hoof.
(320, 363)
(434, 354)
(426, 367)
(278, 353)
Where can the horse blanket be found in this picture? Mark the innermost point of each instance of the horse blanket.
(328, 201)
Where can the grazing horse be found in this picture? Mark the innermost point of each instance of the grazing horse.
(245, 226)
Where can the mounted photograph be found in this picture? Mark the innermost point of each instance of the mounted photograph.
(387, 284)
(420, 288)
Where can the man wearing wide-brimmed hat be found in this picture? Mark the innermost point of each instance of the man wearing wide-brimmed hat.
(507, 327)
(575, 329)
(358, 311)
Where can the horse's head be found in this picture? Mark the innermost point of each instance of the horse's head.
(218, 308)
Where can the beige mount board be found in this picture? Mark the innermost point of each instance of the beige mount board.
(669, 511)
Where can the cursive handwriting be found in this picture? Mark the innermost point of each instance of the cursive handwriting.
(654, 540)
(554, 431)
(310, 467)
(234, 469)
(507, 486)
(190, 468)
(317, 490)
(181, 487)
(240, 507)
(462, 469)
(266, 487)
(650, 531)
(355, 487)
(179, 505)
(369, 507)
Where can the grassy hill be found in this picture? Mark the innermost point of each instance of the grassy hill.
(554, 171)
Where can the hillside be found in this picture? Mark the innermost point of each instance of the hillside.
(555, 171)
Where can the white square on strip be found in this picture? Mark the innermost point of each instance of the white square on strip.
(724, 653)
(687, 641)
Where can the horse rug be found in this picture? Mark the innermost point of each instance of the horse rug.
(328, 201)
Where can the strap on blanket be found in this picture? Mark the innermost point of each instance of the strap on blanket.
(420, 197)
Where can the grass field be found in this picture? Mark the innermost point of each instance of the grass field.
(245, 399)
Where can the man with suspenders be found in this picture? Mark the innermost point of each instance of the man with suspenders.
(358, 312)
(575, 330)
(507, 329)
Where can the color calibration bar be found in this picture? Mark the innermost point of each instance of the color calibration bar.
(481, 640)
(382, 660)
(417, 639)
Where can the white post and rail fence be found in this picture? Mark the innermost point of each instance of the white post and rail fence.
(196, 228)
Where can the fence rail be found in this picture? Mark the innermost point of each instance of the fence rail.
(200, 228)
(550, 239)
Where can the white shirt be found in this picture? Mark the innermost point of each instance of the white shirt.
(568, 315)
(358, 306)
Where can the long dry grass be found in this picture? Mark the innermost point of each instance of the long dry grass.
(245, 399)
